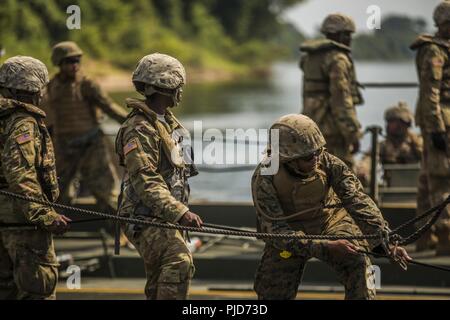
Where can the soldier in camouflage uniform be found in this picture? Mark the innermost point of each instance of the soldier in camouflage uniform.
(75, 105)
(292, 201)
(155, 184)
(401, 146)
(330, 88)
(433, 115)
(28, 266)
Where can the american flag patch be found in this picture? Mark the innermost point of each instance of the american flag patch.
(436, 62)
(130, 146)
(23, 138)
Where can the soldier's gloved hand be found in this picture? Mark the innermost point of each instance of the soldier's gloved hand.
(439, 140)
(399, 255)
(190, 219)
(59, 225)
(342, 248)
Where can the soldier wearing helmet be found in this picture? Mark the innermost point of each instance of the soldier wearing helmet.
(401, 144)
(433, 115)
(330, 88)
(28, 266)
(293, 200)
(155, 186)
(76, 105)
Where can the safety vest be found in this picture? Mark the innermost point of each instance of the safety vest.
(74, 115)
(298, 194)
(316, 81)
(444, 99)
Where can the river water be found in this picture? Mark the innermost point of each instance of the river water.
(255, 104)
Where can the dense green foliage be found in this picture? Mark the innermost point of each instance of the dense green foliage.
(232, 35)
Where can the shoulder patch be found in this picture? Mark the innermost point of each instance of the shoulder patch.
(437, 62)
(130, 146)
(24, 138)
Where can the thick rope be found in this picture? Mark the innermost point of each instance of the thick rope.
(252, 234)
(422, 264)
(213, 229)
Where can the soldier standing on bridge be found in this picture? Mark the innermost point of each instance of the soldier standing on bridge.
(433, 115)
(75, 105)
(330, 88)
(293, 200)
(28, 266)
(155, 185)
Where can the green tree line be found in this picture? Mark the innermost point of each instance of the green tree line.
(392, 41)
(231, 34)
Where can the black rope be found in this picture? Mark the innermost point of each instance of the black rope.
(436, 211)
(259, 235)
(213, 229)
(422, 264)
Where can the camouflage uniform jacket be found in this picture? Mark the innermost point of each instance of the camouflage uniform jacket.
(27, 163)
(76, 106)
(155, 182)
(342, 186)
(330, 88)
(407, 149)
(433, 67)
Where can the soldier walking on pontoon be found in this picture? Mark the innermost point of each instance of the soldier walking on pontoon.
(330, 88)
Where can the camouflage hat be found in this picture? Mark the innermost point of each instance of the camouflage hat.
(399, 112)
(337, 22)
(442, 13)
(299, 136)
(23, 73)
(161, 71)
(64, 50)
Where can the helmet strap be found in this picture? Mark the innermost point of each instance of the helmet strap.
(175, 94)
(22, 96)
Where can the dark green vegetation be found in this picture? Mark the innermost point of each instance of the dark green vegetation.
(232, 35)
(391, 42)
(228, 36)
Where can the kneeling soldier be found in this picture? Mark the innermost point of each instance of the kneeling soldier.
(297, 199)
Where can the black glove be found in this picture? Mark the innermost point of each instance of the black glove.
(439, 140)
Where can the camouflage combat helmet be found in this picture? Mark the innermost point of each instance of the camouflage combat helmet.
(442, 13)
(23, 73)
(160, 73)
(64, 50)
(400, 112)
(337, 22)
(299, 136)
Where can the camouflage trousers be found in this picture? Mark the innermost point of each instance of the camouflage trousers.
(28, 267)
(337, 146)
(428, 240)
(437, 166)
(95, 165)
(279, 275)
(167, 260)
